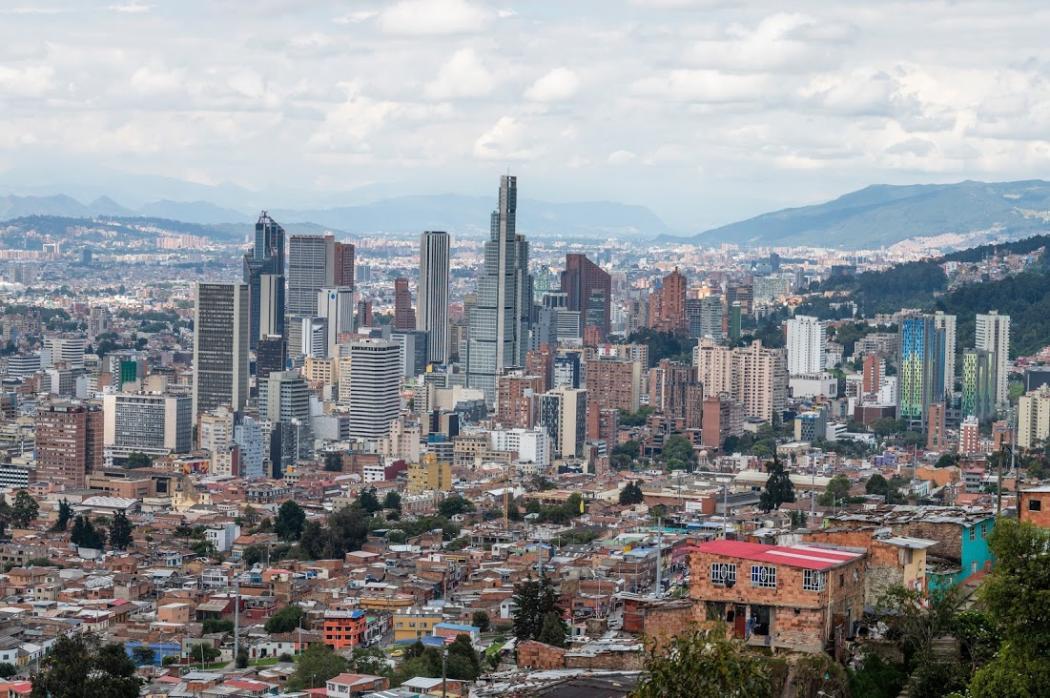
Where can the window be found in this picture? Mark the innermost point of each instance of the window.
(984, 530)
(973, 532)
(723, 574)
(1035, 505)
(764, 576)
(813, 580)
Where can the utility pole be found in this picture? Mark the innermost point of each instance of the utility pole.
(236, 619)
(999, 488)
(659, 550)
(444, 672)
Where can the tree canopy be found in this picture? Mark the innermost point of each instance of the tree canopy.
(81, 665)
(290, 521)
(779, 488)
(537, 613)
(631, 493)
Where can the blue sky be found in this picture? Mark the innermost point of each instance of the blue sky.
(706, 111)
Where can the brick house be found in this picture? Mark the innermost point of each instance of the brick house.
(795, 597)
(1034, 506)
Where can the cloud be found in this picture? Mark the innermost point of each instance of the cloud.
(504, 141)
(356, 17)
(428, 17)
(352, 125)
(28, 81)
(621, 157)
(131, 8)
(557, 85)
(462, 75)
(781, 42)
(709, 86)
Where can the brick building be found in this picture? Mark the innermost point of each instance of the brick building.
(68, 443)
(798, 597)
(667, 305)
(518, 399)
(1034, 506)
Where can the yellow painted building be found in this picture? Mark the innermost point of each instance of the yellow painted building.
(414, 625)
(430, 474)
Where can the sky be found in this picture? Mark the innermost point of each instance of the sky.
(706, 111)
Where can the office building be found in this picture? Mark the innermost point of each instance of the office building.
(270, 356)
(979, 383)
(66, 351)
(311, 267)
(220, 347)
(735, 321)
(248, 436)
(413, 345)
(921, 367)
(264, 273)
(344, 265)
(712, 318)
(588, 290)
(336, 305)
(404, 313)
(432, 293)
(285, 398)
(68, 443)
(992, 333)
(567, 370)
(806, 345)
(152, 424)
(375, 387)
(500, 319)
(563, 414)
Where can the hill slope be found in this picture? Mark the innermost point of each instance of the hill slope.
(882, 215)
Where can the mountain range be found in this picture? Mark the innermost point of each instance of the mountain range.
(958, 215)
(969, 213)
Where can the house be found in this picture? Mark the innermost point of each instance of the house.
(450, 631)
(795, 597)
(351, 685)
(1034, 505)
(344, 629)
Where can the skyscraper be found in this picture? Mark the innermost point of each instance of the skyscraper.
(404, 314)
(68, 443)
(264, 272)
(311, 267)
(336, 305)
(375, 387)
(979, 382)
(563, 414)
(344, 265)
(806, 345)
(667, 304)
(992, 333)
(712, 316)
(921, 375)
(588, 288)
(285, 400)
(150, 423)
(947, 324)
(220, 347)
(500, 320)
(432, 293)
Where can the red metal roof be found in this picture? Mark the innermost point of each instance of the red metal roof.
(804, 556)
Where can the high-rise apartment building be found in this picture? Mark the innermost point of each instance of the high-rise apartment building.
(432, 293)
(563, 413)
(613, 384)
(712, 318)
(667, 304)
(1033, 418)
(873, 374)
(921, 367)
(588, 290)
(714, 367)
(517, 403)
(375, 387)
(404, 314)
(343, 272)
(67, 350)
(992, 333)
(220, 347)
(500, 319)
(979, 383)
(806, 345)
(264, 273)
(336, 305)
(760, 379)
(68, 443)
(946, 324)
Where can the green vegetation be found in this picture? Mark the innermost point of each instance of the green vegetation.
(624, 455)
(480, 620)
(455, 504)
(315, 666)
(139, 460)
(631, 493)
(120, 532)
(25, 509)
(557, 513)
(663, 345)
(65, 513)
(678, 454)
(81, 665)
(285, 620)
(705, 664)
(538, 615)
(779, 488)
(343, 531)
(463, 662)
(85, 534)
(635, 419)
(333, 462)
(836, 493)
(217, 625)
(290, 521)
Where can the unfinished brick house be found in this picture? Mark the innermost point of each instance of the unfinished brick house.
(792, 597)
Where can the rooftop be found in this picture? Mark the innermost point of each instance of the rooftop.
(804, 556)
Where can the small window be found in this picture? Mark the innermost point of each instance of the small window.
(764, 576)
(973, 532)
(813, 580)
(1035, 505)
(723, 574)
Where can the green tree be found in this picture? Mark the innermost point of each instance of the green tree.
(333, 462)
(463, 661)
(392, 501)
(202, 653)
(553, 630)
(836, 493)
(631, 494)
(704, 664)
(290, 520)
(143, 655)
(120, 532)
(369, 660)
(678, 454)
(25, 509)
(367, 500)
(534, 600)
(455, 504)
(217, 625)
(65, 513)
(480, 619)
(315, 666)
(779, 488)
(85, 535)
(139, 460)
(7, 670)
(624, 455)
(82, 665)
(285, 620)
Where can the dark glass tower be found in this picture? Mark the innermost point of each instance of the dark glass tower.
(266, 295)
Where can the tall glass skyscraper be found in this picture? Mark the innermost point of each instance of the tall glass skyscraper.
(264, 272)
(921, 381)
(432, 292)
(501, 318)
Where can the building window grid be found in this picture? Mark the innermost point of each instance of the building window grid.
(764, 576)
(814, 580)
(723, 573)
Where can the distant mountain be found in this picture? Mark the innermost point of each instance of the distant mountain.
(882, 215)
(461, 215)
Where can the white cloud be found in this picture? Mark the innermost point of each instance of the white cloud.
(621, 157)
(506, 140)
(703, 86)
(782, 41)
(557, 85)
(28, 81)
(356, 17)
(425, 17)
(131, 8)
(463, 75)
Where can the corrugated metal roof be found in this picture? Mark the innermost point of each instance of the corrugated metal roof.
(804, 556)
